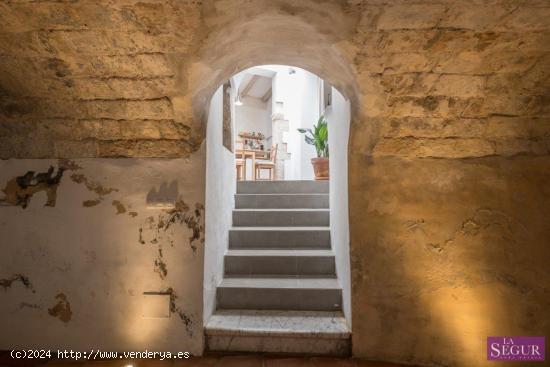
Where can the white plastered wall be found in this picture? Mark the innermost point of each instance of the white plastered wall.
(338, 117)
(220, 190)
(94, 252)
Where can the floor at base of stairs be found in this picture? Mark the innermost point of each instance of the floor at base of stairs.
(206, 361)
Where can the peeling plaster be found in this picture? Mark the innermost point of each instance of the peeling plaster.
(120, 209)
(101, 191)
(180, 214)
(174, 308)
(69, 165)
(140, 240)
(90, 203)
(160, 265)
(93, 186)
(62, 309)
(7, 282)
(19, 190)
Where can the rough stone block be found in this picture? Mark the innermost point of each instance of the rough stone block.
(518, 105)
(517, 127)
(148, 65)
(476, 17)
(436, 106)
(128, 88)
(523, 146)
(411, 16)
(398, 63)
(424, 127)
(68, 149)
(160, 108)
(144, 148)
(528, 18)
(437, 147)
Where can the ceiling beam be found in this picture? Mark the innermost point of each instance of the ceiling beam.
(267, 95)
(249, 85)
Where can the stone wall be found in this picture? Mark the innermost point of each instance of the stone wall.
(455, 79)
(449, 141)
(447, 202)
(95, 79)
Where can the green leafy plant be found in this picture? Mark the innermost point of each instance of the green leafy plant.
(318, 137)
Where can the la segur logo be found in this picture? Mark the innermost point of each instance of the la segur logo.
(515, 348)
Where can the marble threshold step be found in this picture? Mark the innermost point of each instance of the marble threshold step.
(281, 201)
(294, 332)
(319, 263)
(283, 187)
(279, 237)
(281, 217)
(292, 293)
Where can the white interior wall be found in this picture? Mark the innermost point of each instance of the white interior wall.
(253, 115)
(220, 190)
(298, 94)
(338, 117)
(309, 115)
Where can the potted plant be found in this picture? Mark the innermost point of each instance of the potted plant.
(319, 139)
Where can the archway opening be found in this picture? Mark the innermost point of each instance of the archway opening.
(241, 38)
(267, 231)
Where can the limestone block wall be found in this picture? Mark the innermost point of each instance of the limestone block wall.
(448, 179)
(96, 79)
(448, 156)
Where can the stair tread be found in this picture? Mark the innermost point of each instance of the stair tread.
(316, 324)
(283, 194)
(283, 187)
(282, 210)
(296, 282)
(281, 228)
(279, 252)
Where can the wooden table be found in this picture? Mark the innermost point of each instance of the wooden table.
(253, 153)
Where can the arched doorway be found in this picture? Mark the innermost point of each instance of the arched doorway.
(290, 243)
(237, 42)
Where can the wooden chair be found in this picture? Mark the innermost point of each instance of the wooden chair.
(241, 169)
(266, 165)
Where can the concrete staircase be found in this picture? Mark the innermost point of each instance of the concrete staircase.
(279, 293)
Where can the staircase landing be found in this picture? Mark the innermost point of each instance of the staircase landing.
(295, 332)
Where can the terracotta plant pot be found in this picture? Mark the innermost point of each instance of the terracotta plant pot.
(320, 167)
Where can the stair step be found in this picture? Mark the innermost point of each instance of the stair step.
(281, 201)
(281, 217)
(303, 294)
(280, 263)
(283, 187)
(279, 238)
(304, 332)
